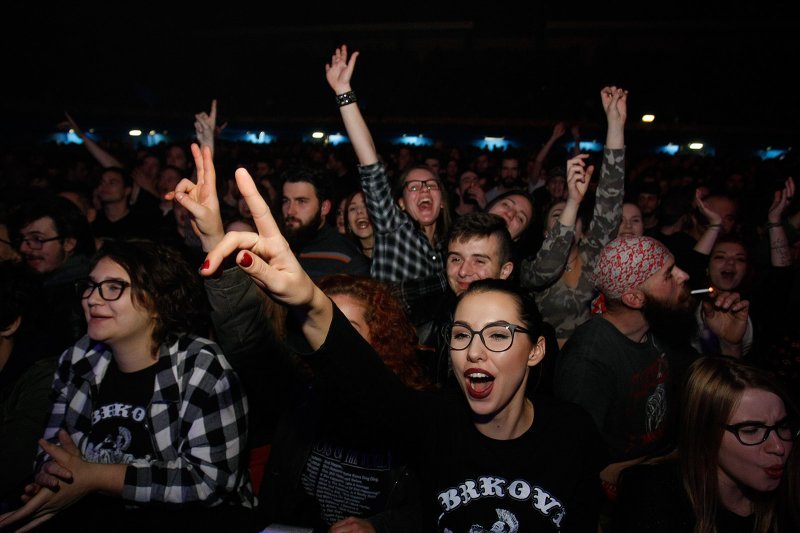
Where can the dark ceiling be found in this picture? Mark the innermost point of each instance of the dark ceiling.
(724, 71)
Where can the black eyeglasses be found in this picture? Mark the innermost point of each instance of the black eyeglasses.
(497, 337)
(35, 242)
(751, 434)
(416, 185)
(110, 290)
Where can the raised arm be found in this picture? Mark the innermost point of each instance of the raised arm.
(338, 73)
(706, 241)
(778, 242)
(541, 156)
(266, 257)
(549, 262)
(205, 127)
(611, 185)
(102, 156)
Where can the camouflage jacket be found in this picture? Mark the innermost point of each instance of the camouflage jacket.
(562, 306)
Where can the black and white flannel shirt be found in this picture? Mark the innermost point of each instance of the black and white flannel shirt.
(402, 251)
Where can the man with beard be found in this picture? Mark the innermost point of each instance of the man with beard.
(321, 250)
(626, 365)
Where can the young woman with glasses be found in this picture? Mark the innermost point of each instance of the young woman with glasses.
(736, 471)
(149, 421)
(488, 457)
(412, 217)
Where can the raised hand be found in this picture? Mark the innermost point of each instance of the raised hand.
(714, 218)
(615, 104)
(781, 201)
(559, 130)
(578, 178)
(339, 71)
(201, 199)
(205, 126)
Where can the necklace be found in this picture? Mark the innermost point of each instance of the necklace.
(568, 266)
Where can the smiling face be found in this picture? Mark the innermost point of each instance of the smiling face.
(357, 218)
(494, 382)
(759, 467)
(517, 211)
(727, 265)
(473, 259)
(631, 225)
(122, 324)
(422, 205)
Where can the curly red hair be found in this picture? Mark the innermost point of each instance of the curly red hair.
(393, 336)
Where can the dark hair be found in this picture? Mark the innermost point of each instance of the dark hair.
(127, 179)
(347, 201)
(393, 336)
(444, 220)
(16, 292)
(318, 178)
(479, 225)
(161, 282)
(526, 306)
(67, 218)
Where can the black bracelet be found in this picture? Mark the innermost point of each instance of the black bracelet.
(774, 225)
(346, 98)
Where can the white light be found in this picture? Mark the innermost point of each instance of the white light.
(152, 132)
(494, 139)
(648, 118)
(135, 133)
(696, 146)
(318, 135)
(71, 130)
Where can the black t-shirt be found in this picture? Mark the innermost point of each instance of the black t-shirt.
(119, 432)
(545, 480)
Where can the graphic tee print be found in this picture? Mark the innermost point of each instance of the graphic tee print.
(119, 432)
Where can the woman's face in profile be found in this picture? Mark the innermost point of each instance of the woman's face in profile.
(761, 466)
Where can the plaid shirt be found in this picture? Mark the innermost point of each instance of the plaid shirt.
(197, 418)
(402, 251)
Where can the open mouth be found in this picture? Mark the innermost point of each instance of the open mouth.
(362, 223)
(479, 383)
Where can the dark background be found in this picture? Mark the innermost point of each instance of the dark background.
(721, 71)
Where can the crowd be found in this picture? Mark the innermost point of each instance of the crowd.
(362, 338)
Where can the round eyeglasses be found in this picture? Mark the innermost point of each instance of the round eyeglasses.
(751, 434)
(35, 242)
(417, 185)
(110, 290)
(497, 337)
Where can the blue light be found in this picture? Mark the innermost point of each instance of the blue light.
(771, 153)
(586, 146)
(669, 149)
(414, 140)
(154, 139)
(258, 138)
(337, 138)
(493, 143)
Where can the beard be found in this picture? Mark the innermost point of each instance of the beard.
(300, 236)
(672, 322)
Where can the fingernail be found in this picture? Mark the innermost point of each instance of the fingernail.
(205, 265)
(247, 260)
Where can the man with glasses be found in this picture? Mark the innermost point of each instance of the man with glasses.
(56, 241)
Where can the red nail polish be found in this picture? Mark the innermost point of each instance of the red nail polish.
(247, 260)
(205, 265)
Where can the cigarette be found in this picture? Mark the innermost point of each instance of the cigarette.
(703, 291)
